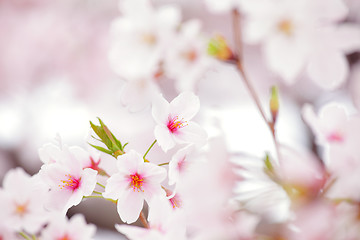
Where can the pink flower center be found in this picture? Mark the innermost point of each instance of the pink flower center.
(65, 237)
(190, 55)
(136, 182)
(335, 137)
(70, 183)
(174, 124)
(21, 209)
(94, 164)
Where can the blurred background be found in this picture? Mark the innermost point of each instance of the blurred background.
(55, 77)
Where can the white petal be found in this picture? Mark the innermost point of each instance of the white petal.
(132, 232)
(164, 138)
(186, 105)
(115, 185)
(160, 109)
(285, 56)
(348, 37)
(88, 181)
(130, 205)
(192, 133)
(328, 69)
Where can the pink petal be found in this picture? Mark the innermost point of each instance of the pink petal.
(329, 69)
(130, 205)
(164, 138)
(186, 105)
(192, 133)
(160, 109)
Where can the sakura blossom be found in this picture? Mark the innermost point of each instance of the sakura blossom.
(134, 182)
(197, 120)
(22, 198)
(139, 37)
(294, 37)
(62, 228)
(173, 121)
(187, 60)
(66, 177)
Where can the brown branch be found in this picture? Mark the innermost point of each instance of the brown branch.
(236, 18)
(143, 219)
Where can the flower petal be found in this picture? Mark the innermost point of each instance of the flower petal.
(328, 69)
(130, 205)
(192, 133)
(160, 109)
(186, 105)
(164, 138)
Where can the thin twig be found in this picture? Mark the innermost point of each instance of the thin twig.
(240, 66)
(143, 219)
(149, 149)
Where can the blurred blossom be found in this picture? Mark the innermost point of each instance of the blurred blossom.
(187, 60)
(22, 201)
(62, 228)
(139, 37)
(303, 35)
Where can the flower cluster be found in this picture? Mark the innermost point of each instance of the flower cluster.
(199, 178)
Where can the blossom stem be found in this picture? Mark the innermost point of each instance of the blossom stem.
(240, 66)
(163, 164)
(149, 149)
(24, 235)
(100, 185)
(143, 219)
(93, 196)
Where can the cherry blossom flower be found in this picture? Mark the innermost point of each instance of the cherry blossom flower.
(22, 202)
(164, 223)
(338, 133)
(301, 35)
(179, 163)
(173, 121)
(134, 182)
(66, 177)
(258, 192)
(61, 228)
(139, 37)
(187, 59)
(209, 215)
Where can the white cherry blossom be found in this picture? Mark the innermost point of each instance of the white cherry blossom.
(134, 182)
(67, 178)
(61, 228)
(139, 37)
(22, 202)
(173, 121)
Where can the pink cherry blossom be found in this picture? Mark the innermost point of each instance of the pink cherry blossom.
(139, 36)
(66, 177)
(60, 228)
(173, 121)
(179, 163)
(22, 201)
(187, 59)
(134, 182)
(301, 36)
(164, 223)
